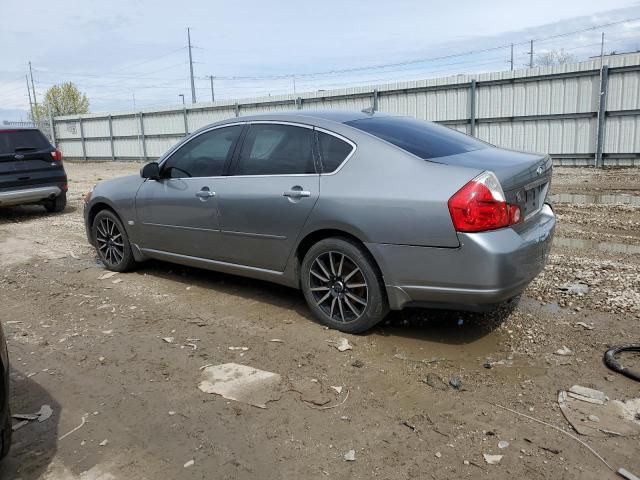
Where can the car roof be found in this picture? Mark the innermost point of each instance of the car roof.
(337, 116)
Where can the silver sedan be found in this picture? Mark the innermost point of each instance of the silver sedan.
(362, 212)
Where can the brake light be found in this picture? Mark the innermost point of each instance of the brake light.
(57, 155)
(481, 205)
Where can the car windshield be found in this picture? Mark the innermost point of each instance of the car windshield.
(424, 139)
(16, 141)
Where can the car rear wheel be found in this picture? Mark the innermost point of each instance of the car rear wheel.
(57, 204)
(112, 242)
(342, 285)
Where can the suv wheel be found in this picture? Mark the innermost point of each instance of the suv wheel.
(112, 242)
(342, 285)
(57, 204)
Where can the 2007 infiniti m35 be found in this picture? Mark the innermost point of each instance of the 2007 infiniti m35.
(362, 212)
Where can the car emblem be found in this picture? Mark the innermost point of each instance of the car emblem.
(539, 170)
(19, 157)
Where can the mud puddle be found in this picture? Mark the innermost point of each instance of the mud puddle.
(598, 199)
(607, 247)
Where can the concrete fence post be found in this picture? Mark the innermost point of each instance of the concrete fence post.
(472, 108)
(113, 152)
(602, 113)
(186, 123)
(299, 103)
(84, 147)
(236, 109)
(143, 139)
(374, 100)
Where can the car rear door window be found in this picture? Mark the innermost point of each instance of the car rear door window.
(424, 139)
(276, 149)
(204, 156)
(333, 151)
(21, 141)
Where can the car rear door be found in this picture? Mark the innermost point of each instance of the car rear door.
(266, 200)
(26, 160)
(178, 213)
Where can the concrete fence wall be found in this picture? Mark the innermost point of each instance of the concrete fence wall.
(582, 114)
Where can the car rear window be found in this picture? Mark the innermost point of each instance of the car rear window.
(424, 139)
(16, 141)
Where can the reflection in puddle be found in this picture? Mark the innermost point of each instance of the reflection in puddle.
(604, 198)
(608, 247)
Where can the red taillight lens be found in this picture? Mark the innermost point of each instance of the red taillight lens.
(480, 205)
(57, 155)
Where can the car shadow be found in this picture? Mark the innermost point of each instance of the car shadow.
(23, 213)
(437, 325)
(33, 446)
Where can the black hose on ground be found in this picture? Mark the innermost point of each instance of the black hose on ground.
(611, 362)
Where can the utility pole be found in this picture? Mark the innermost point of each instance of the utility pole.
(531, 55)
(33, 119)
(193, 85)
(213, 96)
(602, 49)
(35, 100)
(512, 57)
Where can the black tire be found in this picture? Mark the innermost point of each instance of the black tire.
(57, 204)
(112, 242)
(342, 285)
(5, 436)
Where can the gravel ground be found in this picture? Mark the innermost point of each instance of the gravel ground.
(93, 350)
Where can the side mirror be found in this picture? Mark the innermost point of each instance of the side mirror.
(151, 171)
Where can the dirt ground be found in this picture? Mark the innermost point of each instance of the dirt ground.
(93, 350)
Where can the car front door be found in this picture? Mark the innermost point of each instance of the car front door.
(178, 213)
(268, 196)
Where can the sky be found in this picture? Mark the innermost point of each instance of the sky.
(127, 55)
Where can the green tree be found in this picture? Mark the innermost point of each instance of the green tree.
(63, 99)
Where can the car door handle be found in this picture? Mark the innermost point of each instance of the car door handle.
(205, 194)
(296, 193)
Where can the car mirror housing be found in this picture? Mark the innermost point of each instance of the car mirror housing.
(150, 170)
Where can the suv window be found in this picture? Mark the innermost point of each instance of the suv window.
(17, 141)
(423, 139)
(273, 149)
(333, 151)
(204, 156)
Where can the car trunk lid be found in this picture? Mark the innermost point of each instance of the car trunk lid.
(525, 177)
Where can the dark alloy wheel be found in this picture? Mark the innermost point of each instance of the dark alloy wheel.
(112, 242)
(342, 285)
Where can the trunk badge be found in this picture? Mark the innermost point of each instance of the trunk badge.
(19, 157)
(539, 170)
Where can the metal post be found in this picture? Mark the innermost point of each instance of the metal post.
(472, 108)
(236, 109)
(213, 96)
(299, 103)
(113, 152)
(35, 100)
(52, 127)
(84, 147)
(144, 142)
(531, 55)
(602, 106)
(33, 118)
(193, 85)
(512, 57)
(186, 123)
(294, 83)
(602, 50)
(374, 106)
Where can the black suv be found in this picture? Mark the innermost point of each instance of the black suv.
(31, 170)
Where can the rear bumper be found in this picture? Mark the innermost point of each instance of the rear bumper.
(28, 195)
(488, 268)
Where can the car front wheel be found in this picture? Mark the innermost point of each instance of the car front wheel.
(112, 242)
(342, 285)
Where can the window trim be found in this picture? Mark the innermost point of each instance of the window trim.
(236, 160)
(354, 147)
(189, 139)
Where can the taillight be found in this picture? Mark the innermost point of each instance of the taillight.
(480, 205)
(57, 155)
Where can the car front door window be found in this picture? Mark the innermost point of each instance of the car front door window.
(204, 156)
